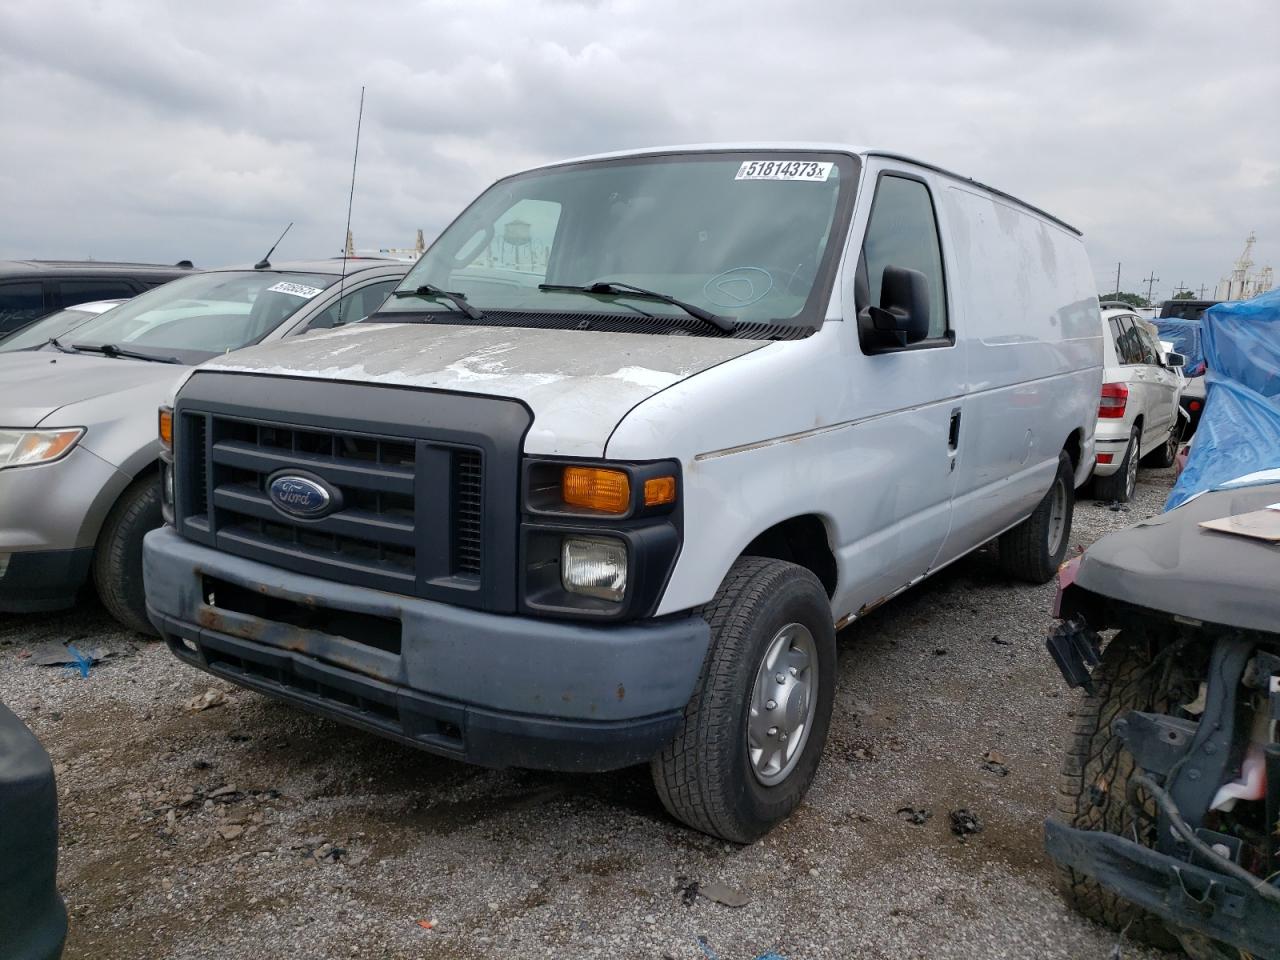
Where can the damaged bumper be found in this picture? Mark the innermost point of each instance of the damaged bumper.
(485, 688)
(1182, 894)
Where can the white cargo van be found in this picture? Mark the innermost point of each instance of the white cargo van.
(634, 438)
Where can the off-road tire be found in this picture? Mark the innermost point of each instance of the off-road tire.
(1024, 551)
(117, 557)
(1114, 489)
(1165, 454)
(704, 776)
(1093, 785)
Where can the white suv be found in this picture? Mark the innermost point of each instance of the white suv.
(1138, 412)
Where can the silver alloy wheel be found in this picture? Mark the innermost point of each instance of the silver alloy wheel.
(1131, 467)
(784, 701)
(1057, 515)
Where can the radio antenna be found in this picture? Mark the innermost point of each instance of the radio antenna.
(265, 262)
(342, 281)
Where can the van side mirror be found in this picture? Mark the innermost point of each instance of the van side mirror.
(1174, 360)
(903, 314)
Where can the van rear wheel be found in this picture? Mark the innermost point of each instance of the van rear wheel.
(1035, 548)
(752, 735)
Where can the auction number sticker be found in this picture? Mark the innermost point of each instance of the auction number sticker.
(295, 290)
(785, 170)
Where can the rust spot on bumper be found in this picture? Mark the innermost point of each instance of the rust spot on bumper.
(284, 636)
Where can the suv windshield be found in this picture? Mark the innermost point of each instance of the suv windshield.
(746, 236)
(199, 317)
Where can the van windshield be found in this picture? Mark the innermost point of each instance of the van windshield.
(753, 237)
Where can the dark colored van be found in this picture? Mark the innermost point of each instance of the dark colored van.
(29, 289)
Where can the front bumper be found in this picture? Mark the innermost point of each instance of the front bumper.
(59, 505)
(50, 515)
(485, 688)
(37, 580)
(1182, 894)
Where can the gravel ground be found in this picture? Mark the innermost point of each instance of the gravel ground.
(252, 829)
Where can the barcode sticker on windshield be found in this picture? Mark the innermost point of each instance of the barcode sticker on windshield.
(784, 170)
(295, 290)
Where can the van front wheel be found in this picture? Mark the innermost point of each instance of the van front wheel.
(1035, 548)
(752, 735)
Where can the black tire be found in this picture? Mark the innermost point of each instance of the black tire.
(1165, 454)
(705, 777)
(1028, 551)
(1120, 486)
(117, 558)
(1093, 787)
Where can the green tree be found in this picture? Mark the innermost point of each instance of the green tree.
(1185, 295)
(1132, 299)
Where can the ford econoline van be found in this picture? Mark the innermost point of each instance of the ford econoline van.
(634, 438)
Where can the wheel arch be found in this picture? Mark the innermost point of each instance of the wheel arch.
(803, 540)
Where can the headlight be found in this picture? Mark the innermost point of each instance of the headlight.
(21, 447)
(595, 566)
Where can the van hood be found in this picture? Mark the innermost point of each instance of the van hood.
(35, 384)
(579, 384)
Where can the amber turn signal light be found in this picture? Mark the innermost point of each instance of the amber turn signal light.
(166, 427)
(595, 488)
(659, 491)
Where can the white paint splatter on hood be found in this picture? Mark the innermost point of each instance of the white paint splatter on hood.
(578, 384)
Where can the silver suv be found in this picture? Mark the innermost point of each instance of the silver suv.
(1138, 412)
(78, 446)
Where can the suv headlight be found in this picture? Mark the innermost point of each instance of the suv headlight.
(18, 448)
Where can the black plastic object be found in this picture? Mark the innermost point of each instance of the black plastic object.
(1074, 648)
(33, 920)
(903, 315)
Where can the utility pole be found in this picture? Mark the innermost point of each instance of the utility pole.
(1117, 279)
(1203, 288)
(1179, 290)
(1151, 281)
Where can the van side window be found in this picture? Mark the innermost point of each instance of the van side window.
(903, 232)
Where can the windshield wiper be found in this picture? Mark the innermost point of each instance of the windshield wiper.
(618, 289)
(55, 342)
(111, 350)
(459, 300)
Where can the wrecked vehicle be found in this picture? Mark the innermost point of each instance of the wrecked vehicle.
(1170, 794)
(598, 484)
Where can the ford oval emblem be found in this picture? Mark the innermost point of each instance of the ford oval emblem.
(301, 496)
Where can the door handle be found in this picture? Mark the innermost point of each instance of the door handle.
(953, 432)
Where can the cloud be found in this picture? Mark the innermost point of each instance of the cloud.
(141, 129)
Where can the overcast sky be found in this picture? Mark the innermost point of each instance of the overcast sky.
(157, 130)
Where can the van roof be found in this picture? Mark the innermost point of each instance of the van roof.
(818, 147)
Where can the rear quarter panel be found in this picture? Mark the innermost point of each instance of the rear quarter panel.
(1027, 317)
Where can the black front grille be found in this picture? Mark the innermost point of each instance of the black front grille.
(373, 538)
(428, 482)
(468, 505)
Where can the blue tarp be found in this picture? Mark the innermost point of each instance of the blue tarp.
(1239, 431)
(1185, 337)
